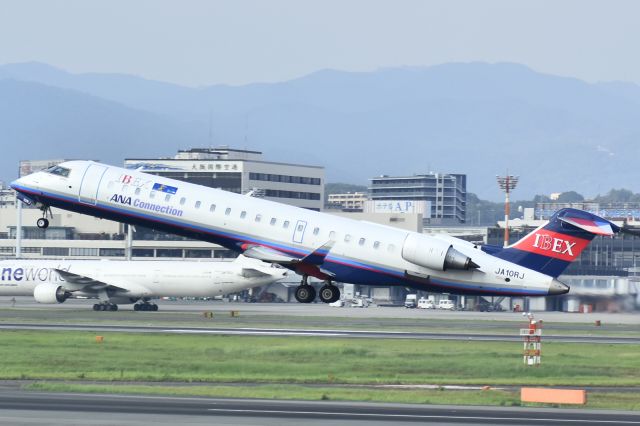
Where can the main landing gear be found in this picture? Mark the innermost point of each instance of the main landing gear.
(43, 222)
(105, 306)
(145, 306)
(305, 293)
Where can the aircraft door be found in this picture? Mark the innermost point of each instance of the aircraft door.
(298, 233)
(91, 183)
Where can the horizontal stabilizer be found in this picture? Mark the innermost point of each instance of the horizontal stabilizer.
(594, 226)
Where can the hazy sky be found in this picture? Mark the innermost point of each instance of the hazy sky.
(199, 42)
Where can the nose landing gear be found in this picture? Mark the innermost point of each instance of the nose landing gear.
(43, 222)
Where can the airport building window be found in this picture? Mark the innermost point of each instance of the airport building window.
(142, 252)
(243, 215)
(78, 251)
(224, 254)
(55, 251)
(273, 221)
(227, 211)
(258, 217)
(285, 178)
(285, 225)
(7, 250)
(198, 203)
(111, 252)
(361, 241)
(168, 252)
(197, 253)
(275, 193)
(212, 208)
(347, 238)
(376, 244)
(316, 231)
(33, 250)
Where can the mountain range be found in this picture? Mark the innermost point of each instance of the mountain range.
(556, 133)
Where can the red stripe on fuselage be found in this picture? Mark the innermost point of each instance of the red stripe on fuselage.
(553, 244)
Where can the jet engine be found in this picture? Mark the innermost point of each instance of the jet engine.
(50, 293)
(434, 254)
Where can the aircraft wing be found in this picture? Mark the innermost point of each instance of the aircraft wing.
(85, 283)
(270, 255)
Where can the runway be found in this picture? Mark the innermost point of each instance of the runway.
(17, 407)
(283, 332)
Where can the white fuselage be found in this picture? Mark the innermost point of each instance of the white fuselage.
(145, 278)
(362, 253)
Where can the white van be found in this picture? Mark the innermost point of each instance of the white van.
(426, 303)
(446, 304)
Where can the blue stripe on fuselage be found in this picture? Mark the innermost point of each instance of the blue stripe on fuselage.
(349, 270)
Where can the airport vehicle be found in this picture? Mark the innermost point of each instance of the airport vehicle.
(446, 304)
(316, 244)
(116, 282)
(426, 303)
(411, 301)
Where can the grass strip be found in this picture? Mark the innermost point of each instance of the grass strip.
(294, 359)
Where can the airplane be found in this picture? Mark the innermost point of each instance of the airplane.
(122, 282)
(328, 247)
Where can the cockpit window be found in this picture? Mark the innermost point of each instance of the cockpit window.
(58, 170)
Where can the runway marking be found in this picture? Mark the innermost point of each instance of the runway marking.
(257, 333)
(420, 416)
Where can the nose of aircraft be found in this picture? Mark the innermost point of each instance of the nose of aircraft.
(557, 288)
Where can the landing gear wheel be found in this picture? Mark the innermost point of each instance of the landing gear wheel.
(329, 293)
(113, 307)
(305, 293)
(145, 307)
(42, 223)
(96, 307)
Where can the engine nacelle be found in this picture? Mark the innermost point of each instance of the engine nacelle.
(50, 293)
(434, 254)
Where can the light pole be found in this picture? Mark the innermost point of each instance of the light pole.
(507, 184)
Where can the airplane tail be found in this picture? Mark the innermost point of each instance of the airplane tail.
(553, 246)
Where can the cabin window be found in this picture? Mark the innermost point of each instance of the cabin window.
(285, 224)
(182, 201)
(300, 228)
(332, 235)
(273, 221)
(347, 238)
(316, 231)
(167, 198)
(258, 217)
(110, 185)
(391, 248)
(243, 215)
(137, 191)
(227, 211)
(152, 194)
(376, 244)
(198, 203)
(212, 208)
(361, 241)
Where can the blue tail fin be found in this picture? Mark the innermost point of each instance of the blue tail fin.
(552, 247)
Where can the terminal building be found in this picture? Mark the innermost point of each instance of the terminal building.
(446, 195)
(241, 171)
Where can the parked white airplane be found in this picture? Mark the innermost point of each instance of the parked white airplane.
(122, 282)
(317, 244)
